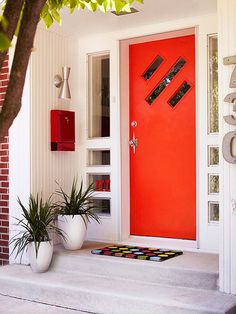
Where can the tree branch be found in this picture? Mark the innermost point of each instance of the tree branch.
(12, 102)
(11, 13)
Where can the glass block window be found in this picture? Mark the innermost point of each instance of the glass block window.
(101, 182)
(152, 68)
(102, 206)
(213, 212)
(166, 81)
(179, 95)
(99, 157)
(213, 183)
(213, 155)
(213, 120)
(99, 96)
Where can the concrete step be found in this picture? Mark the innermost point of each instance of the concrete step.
(188, 270)
(12, 305)
(106, 295)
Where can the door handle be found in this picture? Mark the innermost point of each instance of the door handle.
(133, 143)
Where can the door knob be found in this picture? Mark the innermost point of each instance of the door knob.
(133, 143)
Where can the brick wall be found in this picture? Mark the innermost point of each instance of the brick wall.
(4, 172)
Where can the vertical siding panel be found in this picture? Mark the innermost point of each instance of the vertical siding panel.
(46, 166)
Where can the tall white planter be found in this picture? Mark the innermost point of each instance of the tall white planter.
(74, 229)
(43, 260)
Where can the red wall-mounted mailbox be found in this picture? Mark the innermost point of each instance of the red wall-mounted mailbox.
(62, 130)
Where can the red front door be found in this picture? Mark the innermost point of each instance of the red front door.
(162, 127)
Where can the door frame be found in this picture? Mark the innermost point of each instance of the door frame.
(125, 150)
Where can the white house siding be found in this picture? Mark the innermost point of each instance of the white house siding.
(33, 167)
(52, 52)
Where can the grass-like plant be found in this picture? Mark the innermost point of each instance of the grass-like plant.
(36, 223)
(78, 202)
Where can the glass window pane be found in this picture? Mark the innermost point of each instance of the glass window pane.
(101, 182)
(102, 206)
(98, 157)
(180, 94)
(152, 68)
(213, 212)
(213, 119)
(99, 96)
(166, 81)
(213, 156)
(213, 183)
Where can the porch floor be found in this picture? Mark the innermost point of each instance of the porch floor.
(79, 281)
(205, 262)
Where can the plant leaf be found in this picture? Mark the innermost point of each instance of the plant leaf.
(4, 22)
(56, 16)
(5, 43)
(78, 202)
(36, 222)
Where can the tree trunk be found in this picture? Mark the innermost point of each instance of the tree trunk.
(11, 13)
(12, 102)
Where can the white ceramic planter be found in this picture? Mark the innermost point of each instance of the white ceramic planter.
(44, 257)
(74, 229)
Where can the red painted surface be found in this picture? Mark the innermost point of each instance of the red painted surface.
(107, 188)
(102, 185)
(4, 179)
(99, 185)
(62, 130)
(163, 169)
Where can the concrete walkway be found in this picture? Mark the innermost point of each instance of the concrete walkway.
(11, 305)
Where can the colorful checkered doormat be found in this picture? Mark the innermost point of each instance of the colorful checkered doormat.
(141, 253)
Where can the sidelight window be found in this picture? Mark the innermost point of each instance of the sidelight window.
(97, 157)
(99, 96)
(213, 212)
(213, 129)
(213, 120)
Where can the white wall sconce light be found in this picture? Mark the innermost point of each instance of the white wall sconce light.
(63, 83)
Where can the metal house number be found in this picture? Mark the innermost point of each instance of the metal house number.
(230, 119)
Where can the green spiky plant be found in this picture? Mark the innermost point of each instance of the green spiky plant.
(36, 223)
(78, 202)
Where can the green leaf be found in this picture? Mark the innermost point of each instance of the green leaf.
(78, 202)
(46, 16)
(81, 5)
(91, 6)
(105, 6)
(52, 4)
(73, 4)
(48, 20)
(45, 10)
(118, 5)
(5, 42)
(56, 16)
(36, 223)
(4, 23)
(126, 8)
(51, 10)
